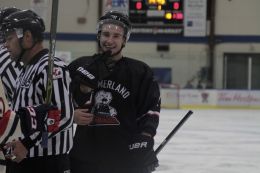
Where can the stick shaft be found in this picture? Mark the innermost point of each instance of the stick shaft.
(52, 44)
(170, 135)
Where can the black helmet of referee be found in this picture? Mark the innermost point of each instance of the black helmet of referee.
(25, 20)
(3, 14)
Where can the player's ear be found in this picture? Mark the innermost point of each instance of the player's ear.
(98, 36)
(27, 39)
(124, 43)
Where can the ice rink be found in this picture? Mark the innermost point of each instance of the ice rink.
(211, 141)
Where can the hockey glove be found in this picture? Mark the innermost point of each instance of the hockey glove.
(98, 69)
(39, 118)
(141, 149)
(87, 76)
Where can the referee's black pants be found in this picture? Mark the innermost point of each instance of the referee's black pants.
(46, 164)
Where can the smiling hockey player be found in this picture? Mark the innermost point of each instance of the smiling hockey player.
(125, 103)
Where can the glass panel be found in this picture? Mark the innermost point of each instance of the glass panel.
(237, 71)
(256, 72)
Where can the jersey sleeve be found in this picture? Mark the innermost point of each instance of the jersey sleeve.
(149, 103)
(62, 97)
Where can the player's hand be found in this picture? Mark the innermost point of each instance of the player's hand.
(82, 117)
(141, 149)
(16, 151)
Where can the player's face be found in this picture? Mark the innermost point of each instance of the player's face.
(112, 38)
(12, 45)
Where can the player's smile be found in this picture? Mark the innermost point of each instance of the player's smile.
(111, 37)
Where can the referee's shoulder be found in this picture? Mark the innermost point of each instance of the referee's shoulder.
(59, 62)
(43, 64)
(3, 50)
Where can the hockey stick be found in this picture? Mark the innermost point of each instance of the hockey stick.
(170, 135)
(52, 44)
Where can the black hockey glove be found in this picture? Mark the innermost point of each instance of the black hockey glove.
(39, 118)
(87, 76)
(99, 68)
(96, 69)
(144, 158)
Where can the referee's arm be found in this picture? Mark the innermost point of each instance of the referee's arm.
(61, 98)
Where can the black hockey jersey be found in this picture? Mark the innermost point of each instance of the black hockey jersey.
(125, 103)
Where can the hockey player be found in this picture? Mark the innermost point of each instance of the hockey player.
(23, 32)
(125, 103)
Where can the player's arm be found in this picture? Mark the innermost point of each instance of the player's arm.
(149, 104)
(142, 143)
(85, 73)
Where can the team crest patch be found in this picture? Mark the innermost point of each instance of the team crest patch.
(25, 83)
(104, 114)
(56, 73)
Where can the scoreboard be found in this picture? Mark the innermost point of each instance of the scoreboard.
(156, 16)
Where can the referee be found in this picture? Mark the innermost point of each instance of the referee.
(23, 32)
(9, 69)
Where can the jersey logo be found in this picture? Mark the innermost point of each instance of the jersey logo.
(104, 114)
(86, 73)
(26, 83)
(56, 73)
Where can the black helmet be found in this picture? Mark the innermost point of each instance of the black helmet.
(117, 18)
(3, 14)
(6, 12)
(26, 20)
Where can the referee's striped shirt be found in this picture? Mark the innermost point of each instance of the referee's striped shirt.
(9, 70)
(31, 90)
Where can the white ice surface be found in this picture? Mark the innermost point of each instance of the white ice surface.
(211, 141)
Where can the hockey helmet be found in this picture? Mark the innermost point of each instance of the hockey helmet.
(117, 18)
(25, 20)
(3, 14)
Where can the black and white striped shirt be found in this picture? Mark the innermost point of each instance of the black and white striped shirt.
(9, 70)
(31, 90)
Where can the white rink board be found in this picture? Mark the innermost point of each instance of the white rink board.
(210, 99)
(211, 141)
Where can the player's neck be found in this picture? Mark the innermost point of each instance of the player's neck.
(30, 53)
(117, 57)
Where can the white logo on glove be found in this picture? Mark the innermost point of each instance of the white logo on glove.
(138, 145)
(33, 117)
